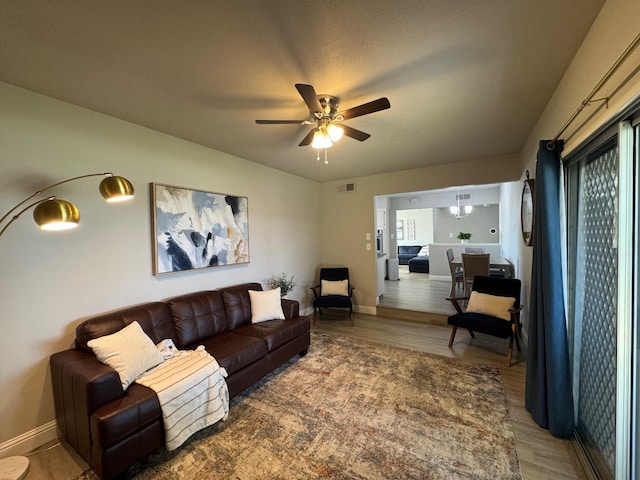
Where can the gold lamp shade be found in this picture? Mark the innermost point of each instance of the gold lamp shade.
(116, 189)
(56, 214)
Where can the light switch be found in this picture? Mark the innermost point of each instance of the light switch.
(367, 236)
(368, 246)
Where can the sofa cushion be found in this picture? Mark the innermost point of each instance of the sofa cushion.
(129, 351)
(409, 249)
(234, 351)
(265, 305)
(237, 303)
(153, 317)
(276, 332)
(197, 316)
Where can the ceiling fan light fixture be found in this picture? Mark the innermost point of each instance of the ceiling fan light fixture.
(335, 132)
(321, 139)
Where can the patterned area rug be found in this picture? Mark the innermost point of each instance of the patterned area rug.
(355, 410)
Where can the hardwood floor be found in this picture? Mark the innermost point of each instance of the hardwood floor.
(541, 456)
(416, 296)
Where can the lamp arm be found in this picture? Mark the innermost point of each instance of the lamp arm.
(17, 215)
(6, 215)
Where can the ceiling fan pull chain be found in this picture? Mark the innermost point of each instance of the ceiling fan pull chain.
(326, 162)
(317, 155)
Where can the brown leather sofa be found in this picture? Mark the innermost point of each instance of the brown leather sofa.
(113, 429)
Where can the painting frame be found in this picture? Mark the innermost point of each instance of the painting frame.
(197, 229)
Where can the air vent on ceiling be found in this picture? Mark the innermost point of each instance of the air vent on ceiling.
(463, 196)
(347, 187)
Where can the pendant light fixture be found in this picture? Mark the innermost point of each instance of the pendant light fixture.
(458, 212)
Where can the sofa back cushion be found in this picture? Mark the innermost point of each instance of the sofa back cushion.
(153, 317)
(409, 249)
(197, 316)
(237, 303)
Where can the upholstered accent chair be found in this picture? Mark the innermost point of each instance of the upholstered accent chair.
(333, 291)
(493, 308)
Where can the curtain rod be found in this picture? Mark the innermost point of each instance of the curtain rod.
(603, 80)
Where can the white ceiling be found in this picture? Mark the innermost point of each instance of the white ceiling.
(467, 79)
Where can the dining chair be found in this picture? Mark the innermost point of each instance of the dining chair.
(456, 273)
(473, 249)
(473, 264)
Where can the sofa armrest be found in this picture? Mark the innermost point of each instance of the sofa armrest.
(291, 308)
(81, 384)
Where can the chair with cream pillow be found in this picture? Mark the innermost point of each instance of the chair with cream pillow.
(493, 308)
(334, 291)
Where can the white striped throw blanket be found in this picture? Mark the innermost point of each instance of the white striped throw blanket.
(192, 392)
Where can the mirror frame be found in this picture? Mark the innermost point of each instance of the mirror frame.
(527, 211)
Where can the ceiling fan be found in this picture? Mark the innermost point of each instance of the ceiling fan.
(326, 120)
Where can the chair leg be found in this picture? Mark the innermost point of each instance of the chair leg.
(510, 352)
(351, 316)
(515, 334)
(315, 315)
(454, 329)
(473, 335)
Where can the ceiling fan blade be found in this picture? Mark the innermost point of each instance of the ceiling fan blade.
(307, 139)
(279, 122)
(366, 108)
(308, 93)
(353, 133)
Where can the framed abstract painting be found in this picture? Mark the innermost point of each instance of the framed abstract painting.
(194, 229)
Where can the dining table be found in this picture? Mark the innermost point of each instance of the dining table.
(494, 262)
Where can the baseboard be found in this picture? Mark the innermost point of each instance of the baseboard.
(30, 440)
(364, 309)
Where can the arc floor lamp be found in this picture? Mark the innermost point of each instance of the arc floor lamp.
(54, 213)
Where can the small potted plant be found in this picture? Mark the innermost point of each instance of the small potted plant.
(464, 237)
(285, 283)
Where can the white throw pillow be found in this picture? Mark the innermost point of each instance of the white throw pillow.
(490, 305)
(338, 287)
(265, 305)
(129, 351)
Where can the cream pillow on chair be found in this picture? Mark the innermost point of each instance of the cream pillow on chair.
(337, 287)
(129, 351)
(265, 305)
(490, 305)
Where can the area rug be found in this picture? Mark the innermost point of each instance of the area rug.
(352, 409)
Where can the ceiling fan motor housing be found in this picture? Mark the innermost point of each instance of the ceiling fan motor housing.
(329, 105)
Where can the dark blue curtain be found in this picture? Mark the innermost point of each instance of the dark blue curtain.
(548, 394)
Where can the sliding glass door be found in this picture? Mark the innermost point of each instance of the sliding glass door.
(602, 263)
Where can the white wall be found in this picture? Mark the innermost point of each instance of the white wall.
(423, 222)
(52, 281)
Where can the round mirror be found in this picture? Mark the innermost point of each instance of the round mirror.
(527, 211)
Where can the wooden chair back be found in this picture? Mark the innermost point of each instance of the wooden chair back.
(474, 264)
